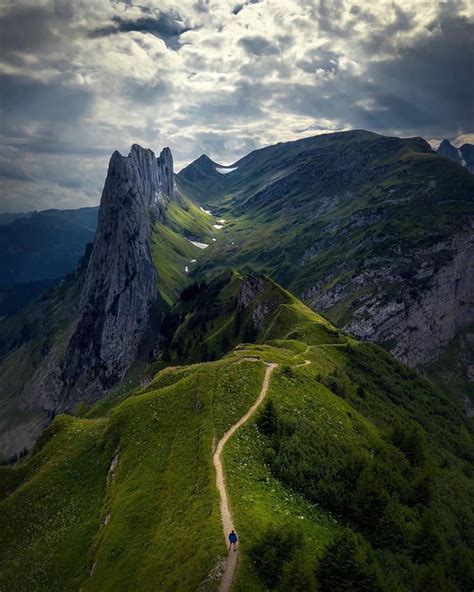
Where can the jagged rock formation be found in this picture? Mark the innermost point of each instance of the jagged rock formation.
(121, 281)
(252, 297)
(437, 302)
(464, 155)
(119, 286)
(95, 323)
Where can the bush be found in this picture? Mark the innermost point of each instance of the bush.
(431, 578)
(282, 561)
(349, 564)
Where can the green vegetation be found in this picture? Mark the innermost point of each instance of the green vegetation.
(172, 251)
(116, 502)
(333, 218)
(354, 466)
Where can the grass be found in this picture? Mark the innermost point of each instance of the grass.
(345, 208)
(126, 498)
(54, 510)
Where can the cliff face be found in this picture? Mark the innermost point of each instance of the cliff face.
(121, 281)
(421, 324)
(119, 285)
(93, 324)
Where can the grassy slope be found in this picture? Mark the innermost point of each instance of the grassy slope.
(346, 209)
(172, 252)
(321, 185)
(155, 519)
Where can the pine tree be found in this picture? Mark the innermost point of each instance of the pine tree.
(268, 419)
(431, 578)
(428, 540)
(349, 565)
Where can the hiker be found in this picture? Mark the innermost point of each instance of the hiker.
(232, 540)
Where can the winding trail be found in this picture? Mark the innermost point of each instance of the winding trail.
(227, 520)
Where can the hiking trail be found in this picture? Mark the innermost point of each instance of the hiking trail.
(227, 520)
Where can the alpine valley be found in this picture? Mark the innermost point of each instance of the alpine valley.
(303, 322)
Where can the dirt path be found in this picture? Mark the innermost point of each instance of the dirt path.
(305, 363)
(227, 521)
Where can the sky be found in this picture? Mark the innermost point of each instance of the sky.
(82, 78)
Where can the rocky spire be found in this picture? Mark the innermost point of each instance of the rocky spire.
(120, 285)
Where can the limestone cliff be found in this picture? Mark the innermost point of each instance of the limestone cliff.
(119, 286)
(425, 310)
(121, 282)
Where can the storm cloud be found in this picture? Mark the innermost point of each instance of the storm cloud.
(79, 80)
(166, 26)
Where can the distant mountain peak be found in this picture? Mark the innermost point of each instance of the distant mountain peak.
(201, 168)
(464, 155)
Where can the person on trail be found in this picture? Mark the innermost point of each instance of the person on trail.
(232, 540)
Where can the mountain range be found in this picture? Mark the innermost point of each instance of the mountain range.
(38, 249)
(119, 381)
(375, 232)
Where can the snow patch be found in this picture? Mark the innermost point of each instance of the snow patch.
(193, 261)
(186, 269)
(197, 244)
(221, 221)
(463, 162)
(214, 239)
(224, 171)
(217, 226)
(208, 212)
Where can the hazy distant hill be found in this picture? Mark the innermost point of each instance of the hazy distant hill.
(39, 248)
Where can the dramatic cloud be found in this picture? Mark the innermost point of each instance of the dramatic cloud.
(81, 79)
(166, 26)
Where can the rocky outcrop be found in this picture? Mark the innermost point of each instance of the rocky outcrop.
(256, 297)
(119, 286)
(463, 155)
(423, 313)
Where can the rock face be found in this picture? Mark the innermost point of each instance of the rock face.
(96, 320)
(121, 281)
(437, 302)
(119, 286)
(464, 155)
(255, 296)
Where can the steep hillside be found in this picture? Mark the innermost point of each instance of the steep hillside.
(352, 459)
(376, 232)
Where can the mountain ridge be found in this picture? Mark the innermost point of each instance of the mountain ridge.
(357, 213)
(153, 239)
(351, 444)
(464, 155)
